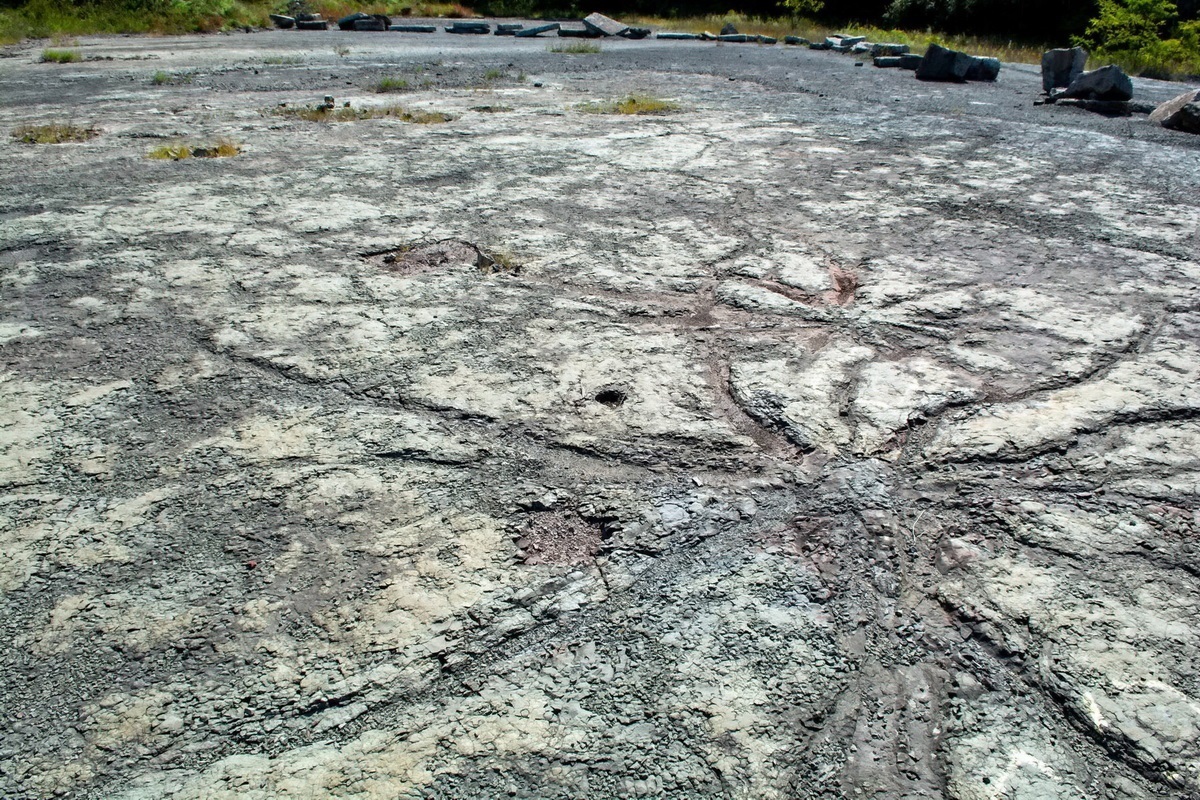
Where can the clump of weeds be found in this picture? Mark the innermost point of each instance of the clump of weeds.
(52, 56)
(223, 148)
(54, 133)
(634, 104)
(391, 85)
(576, 48)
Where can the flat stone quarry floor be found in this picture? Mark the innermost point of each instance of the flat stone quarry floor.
(835, 436)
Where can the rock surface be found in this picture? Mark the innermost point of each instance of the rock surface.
(748, 451)
(1107, 83)
(943, 64)
(1181, 114)
(1061, 67)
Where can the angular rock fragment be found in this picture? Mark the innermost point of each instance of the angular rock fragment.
(983, 69)
(605, 26)
(469, 27)
(796, 40)
(728, 29)
(910, 61)
(1181, 113)
(579, 33)
(943, 64)
(635, 33)
(376, 22)
(413, 28)
(887, 49)
(1062, 66)
(1106, 83)
(508, 28)
(676, 36)
(282, 21)
(347, 22)
(820, 45)
(887, 61)
(537, 30)
(312, 24)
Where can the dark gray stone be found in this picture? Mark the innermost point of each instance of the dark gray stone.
(983, 69)
(1181, 113)
(469, 27)
(312, 24)
(1106, 83)
(728, 29)
(888, 49)
(283, 22)
(635, 33)
(605, 26)
(1062, 66)
(373, 23)
(910, 61)
(766, 39)
(819, 45)
(346, 23)
(677, 36)
(943, 64)
(579, 33)
(413, 28)
(508, 28)
(887, 61)
(796, 40)
(736, 37)
(537, 30)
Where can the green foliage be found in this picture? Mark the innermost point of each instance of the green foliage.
(575, 48)
(1128, 24)
(61, 56)
(802, 7)
(55, 133)
(1145, 38)
(634, 104)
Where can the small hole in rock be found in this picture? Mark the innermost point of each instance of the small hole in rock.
(613, 398)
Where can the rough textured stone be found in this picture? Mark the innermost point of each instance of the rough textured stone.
(413, 28)
(282, 21)
(728, 29)
(347, 22)
(1181, 114)
(887, 61)
(796, 40)
(1106, 83)
(676, 35)
(887, 49)
(942, 64)
(537, 30)
(312, 24)
(604, 25)
(1062, 66)
(469, 27)
(983, 69)
(910, 61)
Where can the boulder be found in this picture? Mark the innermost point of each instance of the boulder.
(728, 29)
(312, 24)
(1106, 83)
(848, 40)
(736, 37)
(886, 49)
(579, 33)
(537, 30)
(508, 28)
(910, 61)
(861, 47)
(1062, 66)
(796, 40)
(887, 61)
(819, 45)
(605, 26)
(413, 28)
(943, 64)
(677, 36)
(635, 33)
(283, 22)
(983, 69)
(346, 23)
(1180, 114)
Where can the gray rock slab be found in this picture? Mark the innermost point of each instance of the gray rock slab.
(796, 40)
(282, 21)
(888, 49)
(374, 23)
(676, 36)
(312, 24)
(579, 33)
(1062, 66)
(983, 69)
(606, 26)
(910, 61)
(413, 28)
(469, 28)
(1181, 113)
(346, 23)
(537, 30)
(508, 28)
(887, 61)
(635, 33)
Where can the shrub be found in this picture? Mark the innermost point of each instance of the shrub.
(55, 133)
(61, 56)
(638, 104)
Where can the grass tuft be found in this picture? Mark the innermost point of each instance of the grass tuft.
(576, 48)
(223, 148)
(52, 56)
(391, 85)
(278, 61)
(635, 104)
(324, 113)
(55, 133)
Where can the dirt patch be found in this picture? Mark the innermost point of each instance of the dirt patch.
(560, 537)
(441, 256)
